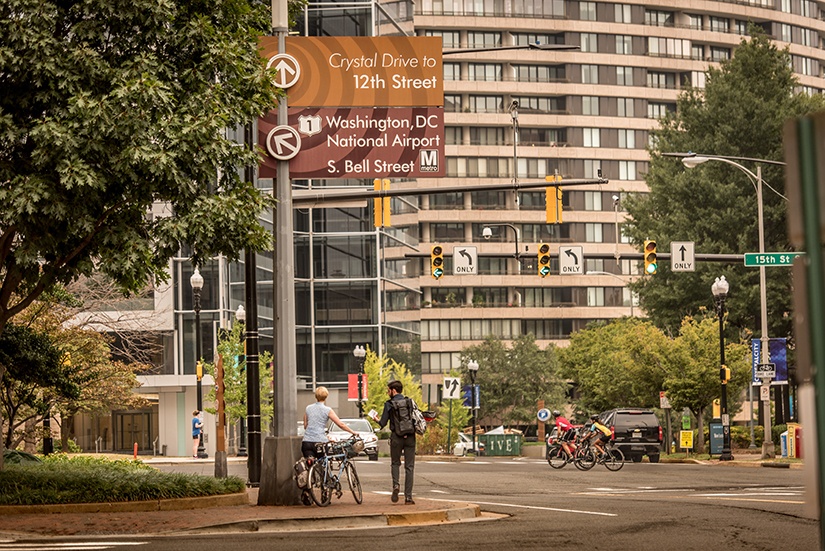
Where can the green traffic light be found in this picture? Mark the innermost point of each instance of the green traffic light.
(438, 272)
(544, 271)
(651, 268)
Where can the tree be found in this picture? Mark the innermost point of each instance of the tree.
(740, 112)
(380, 371)
(512, 380)
(623, 362)
(231, 349)
(694, 380)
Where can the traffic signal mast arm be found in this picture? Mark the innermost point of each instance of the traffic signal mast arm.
(726, 258)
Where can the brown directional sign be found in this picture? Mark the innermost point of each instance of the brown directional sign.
(383, 142)
(348, 71)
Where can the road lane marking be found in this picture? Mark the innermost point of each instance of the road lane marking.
(536, 507)
(761, 500)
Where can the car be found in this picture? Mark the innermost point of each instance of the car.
(364, 430)
(636, 432)
(465, 445)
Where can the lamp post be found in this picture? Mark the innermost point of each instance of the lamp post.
(472, 367)
(360, 353)
(240, 315)
(196, 281)
(692, 161)
(616, 225)
(514, 116)
(487, 233)
(720, 293)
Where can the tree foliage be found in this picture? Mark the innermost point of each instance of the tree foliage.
(109, 108)
(740, 112)
(380, 371)
(231, 349)
(513, 379)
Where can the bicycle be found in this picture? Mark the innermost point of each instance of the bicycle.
(326, 471)
(612, 458)
(558, 457)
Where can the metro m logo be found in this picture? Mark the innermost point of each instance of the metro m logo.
(428, 160)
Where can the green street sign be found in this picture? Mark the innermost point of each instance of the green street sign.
(770, 259)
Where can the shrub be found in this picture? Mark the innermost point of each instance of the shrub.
(85, 479)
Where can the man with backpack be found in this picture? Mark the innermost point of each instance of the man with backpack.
(398, 411)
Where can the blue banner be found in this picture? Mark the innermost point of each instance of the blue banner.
(777, 355)
(467, 392)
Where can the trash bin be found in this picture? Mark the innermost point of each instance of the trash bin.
(783, 441)
(798, 438)
(501, 444)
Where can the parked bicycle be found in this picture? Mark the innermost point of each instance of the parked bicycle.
(334, 464)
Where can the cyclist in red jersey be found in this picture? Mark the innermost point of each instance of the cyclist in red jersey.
(565, 431)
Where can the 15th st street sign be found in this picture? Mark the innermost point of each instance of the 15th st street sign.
(770, 259)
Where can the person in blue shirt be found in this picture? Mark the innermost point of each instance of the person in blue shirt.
(316, 418)
(197, 428)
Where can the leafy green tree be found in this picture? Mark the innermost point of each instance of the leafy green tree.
(740, 112)
(231, 350)
(512, 380)
(623, 362)
(694, 381)
(380, 371)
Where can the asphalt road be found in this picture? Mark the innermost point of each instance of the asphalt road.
(644, 506)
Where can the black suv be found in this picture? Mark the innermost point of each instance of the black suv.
(636, 432)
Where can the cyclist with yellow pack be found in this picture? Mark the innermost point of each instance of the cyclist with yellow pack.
(599, 434)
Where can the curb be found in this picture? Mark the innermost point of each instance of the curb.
(180, 504)
(466, 513)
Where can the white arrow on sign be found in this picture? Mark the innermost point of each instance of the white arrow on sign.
(283, 142)
(289, 71)
(571, 260)
(682, 257)
(452, 388)
(465, 261)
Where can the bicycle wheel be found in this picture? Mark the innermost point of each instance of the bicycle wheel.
(353, 482)
(557, 457)
(320, 492)
(614, 460)
(585, 459)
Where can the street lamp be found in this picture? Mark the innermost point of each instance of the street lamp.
(720, 293)
(360, 353)
(196, 281)
(616, 225)
(240, 315)
(693, 161)
(472, 367)
(514, 116)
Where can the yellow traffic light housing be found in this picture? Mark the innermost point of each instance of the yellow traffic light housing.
(724, 374)
(544, 259)
(553, 202)
(437, 261)
(651, 260)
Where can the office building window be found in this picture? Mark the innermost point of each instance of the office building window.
(694, 21)
(593, 233)
(592, 200)
(698, 78)
(485, 71)
(627, 170)
(627, 139)
(668, 47)
(446, 232)
(785, 6)
(587, 11)
(481, 135)
(589, 42)
(741, 27)
(624, 76)
(525, 39)
(626, 107)
(719, 24)
(538, 73)
(659, 18)
(661, 80)
(592, 137)
(590, 74)
(452, 71)
(449, 39)
(658, 110)
(624, 44)
(447, 201)
(621, 13)
(452, 103)
(488, 200)
(718, 53)
(592, 168)
(595, 296)
(453, 135)
(697, 51)
(542, 104)
(486, 104)
(483, 39)
(590, 105)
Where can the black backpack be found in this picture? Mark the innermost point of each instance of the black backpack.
(402, 416)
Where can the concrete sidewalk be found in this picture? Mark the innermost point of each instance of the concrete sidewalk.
(226, 515)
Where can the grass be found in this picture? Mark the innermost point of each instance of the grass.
(60, 479)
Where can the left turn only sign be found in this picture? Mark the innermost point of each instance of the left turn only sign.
(283, 142)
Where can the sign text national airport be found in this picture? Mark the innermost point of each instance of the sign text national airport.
(328, 79)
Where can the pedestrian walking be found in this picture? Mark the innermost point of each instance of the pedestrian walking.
(398, 412)
(197, 429)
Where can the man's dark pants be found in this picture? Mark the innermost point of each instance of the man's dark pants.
(404, 444)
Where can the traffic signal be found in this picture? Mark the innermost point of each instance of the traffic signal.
(544, 259)
(381, 206)
(651, 261)
(553, 200)
(724, 374)
(437, 261)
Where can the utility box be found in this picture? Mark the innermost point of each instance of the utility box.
(717, 438)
